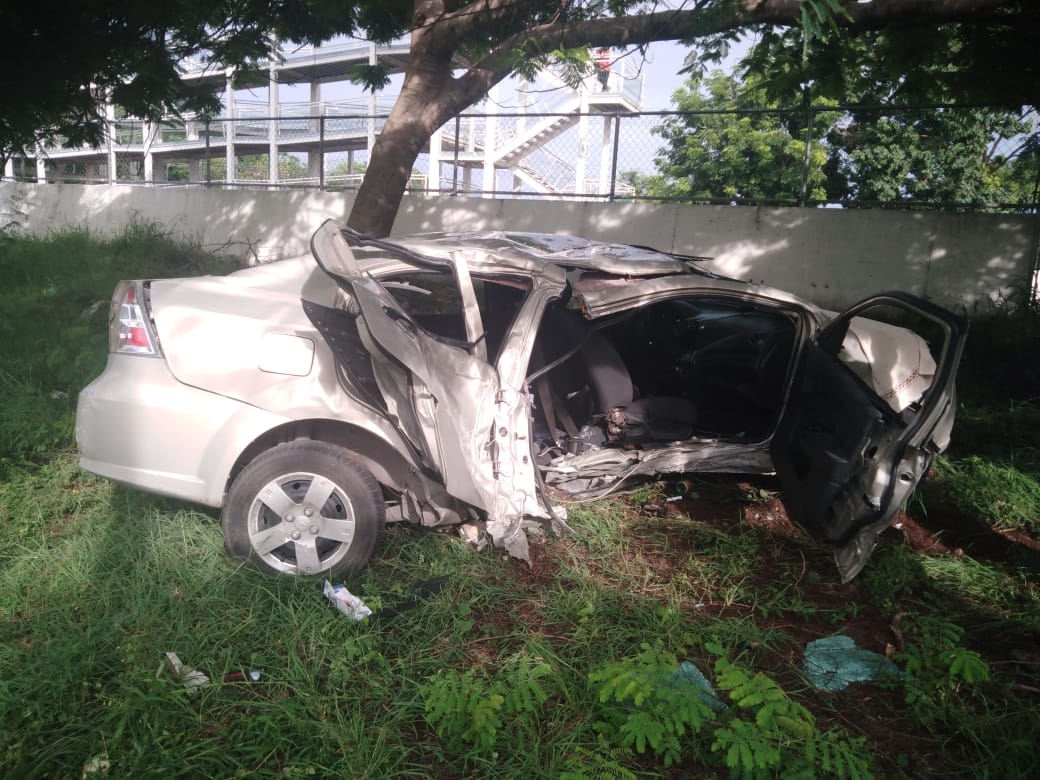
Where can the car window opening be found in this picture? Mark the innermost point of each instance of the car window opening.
(431, 298)
(678, 369)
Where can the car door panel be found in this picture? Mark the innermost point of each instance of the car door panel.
(848, 458)
(828, 432)
(441, 394)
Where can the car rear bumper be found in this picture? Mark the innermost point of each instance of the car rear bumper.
(137, 425)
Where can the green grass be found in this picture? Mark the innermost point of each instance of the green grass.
(102, 581)
(561, 669)
(992, 471)
(1001, 495)
(53, 321)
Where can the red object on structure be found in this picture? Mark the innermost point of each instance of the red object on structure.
(602, 58)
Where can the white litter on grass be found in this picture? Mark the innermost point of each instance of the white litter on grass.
(193, 679)
(96, 767)
(345, 601)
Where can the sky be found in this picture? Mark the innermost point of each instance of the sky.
(663, 62)
(660, 74)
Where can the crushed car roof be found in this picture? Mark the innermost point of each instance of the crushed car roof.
(531, 252)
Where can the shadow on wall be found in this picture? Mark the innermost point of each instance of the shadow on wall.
(833, 257)
(969, 262)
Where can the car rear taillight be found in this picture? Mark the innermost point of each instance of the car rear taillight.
(129, 327)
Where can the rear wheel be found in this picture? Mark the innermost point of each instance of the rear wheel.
(304, 507)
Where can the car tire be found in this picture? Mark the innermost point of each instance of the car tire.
(304, 507)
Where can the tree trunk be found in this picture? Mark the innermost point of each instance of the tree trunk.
(429, 97)
(390, 167)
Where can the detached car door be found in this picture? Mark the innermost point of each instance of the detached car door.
(438, 391)
(872, 400)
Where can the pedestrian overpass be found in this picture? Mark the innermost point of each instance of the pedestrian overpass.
(321, 142)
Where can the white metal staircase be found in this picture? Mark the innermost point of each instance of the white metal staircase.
(523, 145)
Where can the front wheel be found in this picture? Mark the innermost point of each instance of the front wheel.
(304, 507)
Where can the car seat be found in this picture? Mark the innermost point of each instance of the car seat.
(572, 338)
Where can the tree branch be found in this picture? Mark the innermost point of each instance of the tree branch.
(712, 18)
(706, 18)
(462, 22)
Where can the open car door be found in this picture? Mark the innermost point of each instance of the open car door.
(439, 391)
(872, 401)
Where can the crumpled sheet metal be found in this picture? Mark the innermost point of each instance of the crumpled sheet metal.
(509, 534)
(514, 502)
(602, 469)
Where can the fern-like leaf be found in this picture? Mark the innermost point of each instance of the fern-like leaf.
(604, 764)
(749, 752)
(965, 665)
(640, 730)
(841, 757)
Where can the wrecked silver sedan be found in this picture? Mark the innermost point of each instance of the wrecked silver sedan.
(482, 378)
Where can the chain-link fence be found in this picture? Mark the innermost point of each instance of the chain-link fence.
(934, 157)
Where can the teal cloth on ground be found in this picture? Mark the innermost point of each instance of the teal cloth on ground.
(834, 663)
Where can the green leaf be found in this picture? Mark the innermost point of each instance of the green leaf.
(371, 77)
(640, 730)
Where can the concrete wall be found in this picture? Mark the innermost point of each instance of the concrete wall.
(833, 257)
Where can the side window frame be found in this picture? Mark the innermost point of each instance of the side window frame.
(403, 284)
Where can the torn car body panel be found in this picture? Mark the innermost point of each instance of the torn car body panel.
(597, 471)
(442, 395)
(469, 419)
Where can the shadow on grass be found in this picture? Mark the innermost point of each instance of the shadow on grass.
(130, 577)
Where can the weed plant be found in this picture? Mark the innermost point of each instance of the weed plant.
(1000, 495)
(473, 665)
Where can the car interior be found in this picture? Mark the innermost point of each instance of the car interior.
(704, 367)
(681, 368)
